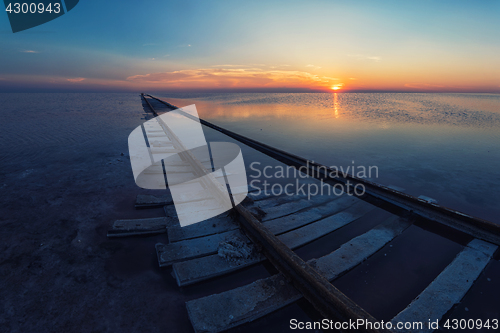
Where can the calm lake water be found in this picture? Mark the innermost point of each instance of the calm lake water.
(443, 146)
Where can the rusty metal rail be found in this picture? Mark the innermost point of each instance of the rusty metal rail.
(149, 105)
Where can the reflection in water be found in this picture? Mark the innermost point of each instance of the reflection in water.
(336, 105)
(465, 110)
(423, 143)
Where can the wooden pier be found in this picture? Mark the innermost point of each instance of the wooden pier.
(272, 227)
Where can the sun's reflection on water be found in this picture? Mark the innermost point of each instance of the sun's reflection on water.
(336, 105)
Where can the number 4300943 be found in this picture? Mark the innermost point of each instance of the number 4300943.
(33, 8)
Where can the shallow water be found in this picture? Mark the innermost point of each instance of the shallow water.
(63, 180)
(443, 146)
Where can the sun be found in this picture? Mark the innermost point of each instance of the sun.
(337, 86)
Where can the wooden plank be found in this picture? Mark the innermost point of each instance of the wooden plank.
(211, 226)
(150, 201)
(263, 199)
(189, 196)
(197, 270)
(448, 288)
(232, 308)
(289, 222)
(260, 195)
(162, 150)
(201, 229)
(193, 248)
(203, 246)
(135, 227)
(293, 207)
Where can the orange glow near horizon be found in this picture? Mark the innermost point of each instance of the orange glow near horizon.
(337, 86)
(266, 78)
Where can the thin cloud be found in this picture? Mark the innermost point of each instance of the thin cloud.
(229, 66)
(78, 79)
(150, 44)
(313, 67)
(234, 78)
(184, 45)
(365, 57)
(30, 51)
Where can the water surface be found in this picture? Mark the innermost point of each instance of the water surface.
(443, 146)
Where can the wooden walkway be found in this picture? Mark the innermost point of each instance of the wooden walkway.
(270, 228)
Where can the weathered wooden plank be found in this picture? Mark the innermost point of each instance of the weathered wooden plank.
(146, 200)
(264, 199)
(300, 219)
(448, 288)
(197, 270)
(161, 143)
(211, 226)
(203, 246)
(193, 248)
(359, 248)
(238, 306)
(260, 194)
(162, 150)
(151, 226)
(194, 196)
(313, 231)
(151, 201)
(176, 234)
(292, 207)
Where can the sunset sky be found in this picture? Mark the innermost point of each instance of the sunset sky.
(441, 46)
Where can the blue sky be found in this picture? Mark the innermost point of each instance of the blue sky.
(355, 45)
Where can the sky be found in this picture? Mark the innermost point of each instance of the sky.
(342, 46)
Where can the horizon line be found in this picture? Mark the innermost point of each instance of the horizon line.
(243, 90)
